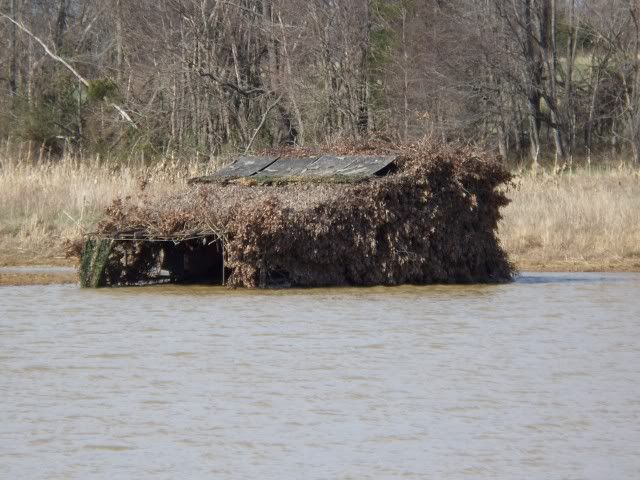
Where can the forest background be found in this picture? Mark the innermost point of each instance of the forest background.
(100, 95)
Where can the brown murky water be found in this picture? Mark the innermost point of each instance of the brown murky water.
(37, 275)
(535, 380)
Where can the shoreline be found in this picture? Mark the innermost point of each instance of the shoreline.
(16, 271)
(579, 266)
(21, 275)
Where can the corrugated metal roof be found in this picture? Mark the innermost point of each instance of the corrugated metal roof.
(287, 167)
(245, 167)
(356, 166)
(242, 167)
(327, 166)
(367, 165)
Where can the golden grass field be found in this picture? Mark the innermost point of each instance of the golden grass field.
(42, 205)
(579, 221)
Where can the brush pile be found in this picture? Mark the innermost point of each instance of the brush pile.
(433, 220)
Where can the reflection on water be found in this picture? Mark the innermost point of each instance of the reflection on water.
(37, 269)
(556, 278)
(538, 379)
(36, 275)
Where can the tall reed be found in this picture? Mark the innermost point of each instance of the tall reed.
(43, 201)
(585, 219)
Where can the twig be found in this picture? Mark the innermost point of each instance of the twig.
(232, 86)
(67, 65)
(79, 225)
(264, 119)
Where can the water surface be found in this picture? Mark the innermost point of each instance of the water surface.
(535, 380)
(37, 275)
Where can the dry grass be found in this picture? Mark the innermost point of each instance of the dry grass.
(577, 221)
(42, 204)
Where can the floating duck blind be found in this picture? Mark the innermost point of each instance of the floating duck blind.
(408, 214)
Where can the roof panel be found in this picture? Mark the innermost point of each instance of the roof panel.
(287, 167)
(356, 166)
(367, 165)
(327, 165)
(242, 167)
(245, 167)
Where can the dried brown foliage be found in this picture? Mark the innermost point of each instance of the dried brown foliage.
(432, 221)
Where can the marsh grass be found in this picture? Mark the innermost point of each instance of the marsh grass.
(44, 203)
(580, 220)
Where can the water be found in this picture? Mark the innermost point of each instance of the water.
(36, 275)
(535, 380)
(38, 269)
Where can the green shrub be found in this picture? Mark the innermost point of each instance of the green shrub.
(101, 88)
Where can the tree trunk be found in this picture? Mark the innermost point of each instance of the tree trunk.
(532, 79)
(592, 110)
(405, 77)
(119, 42)
(296, 134)
(13, 63)
(363, 111)
(572, 45)
(633, 93)
(556, 118)
(61, 24)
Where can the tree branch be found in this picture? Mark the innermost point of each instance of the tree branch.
(47, 49)
(125, 116)
(264, 119)
(225, 83)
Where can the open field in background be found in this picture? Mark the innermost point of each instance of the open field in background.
(43, 204)
(585, 220)
(581, 221)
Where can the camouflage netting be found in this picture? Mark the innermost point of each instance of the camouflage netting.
(434, 220)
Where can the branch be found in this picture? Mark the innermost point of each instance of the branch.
(247, 93)
(245, 9)
(67, 65)
(264, 119)
(47, 50)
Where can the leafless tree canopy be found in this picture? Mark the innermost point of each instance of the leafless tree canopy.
(533, 79)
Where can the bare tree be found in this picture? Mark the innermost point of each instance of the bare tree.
(542, 79)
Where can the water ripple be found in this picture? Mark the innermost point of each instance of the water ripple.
(537, 379)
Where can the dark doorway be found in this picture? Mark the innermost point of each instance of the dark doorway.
(195, 261)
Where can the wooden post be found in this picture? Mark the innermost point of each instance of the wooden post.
(224, 280)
